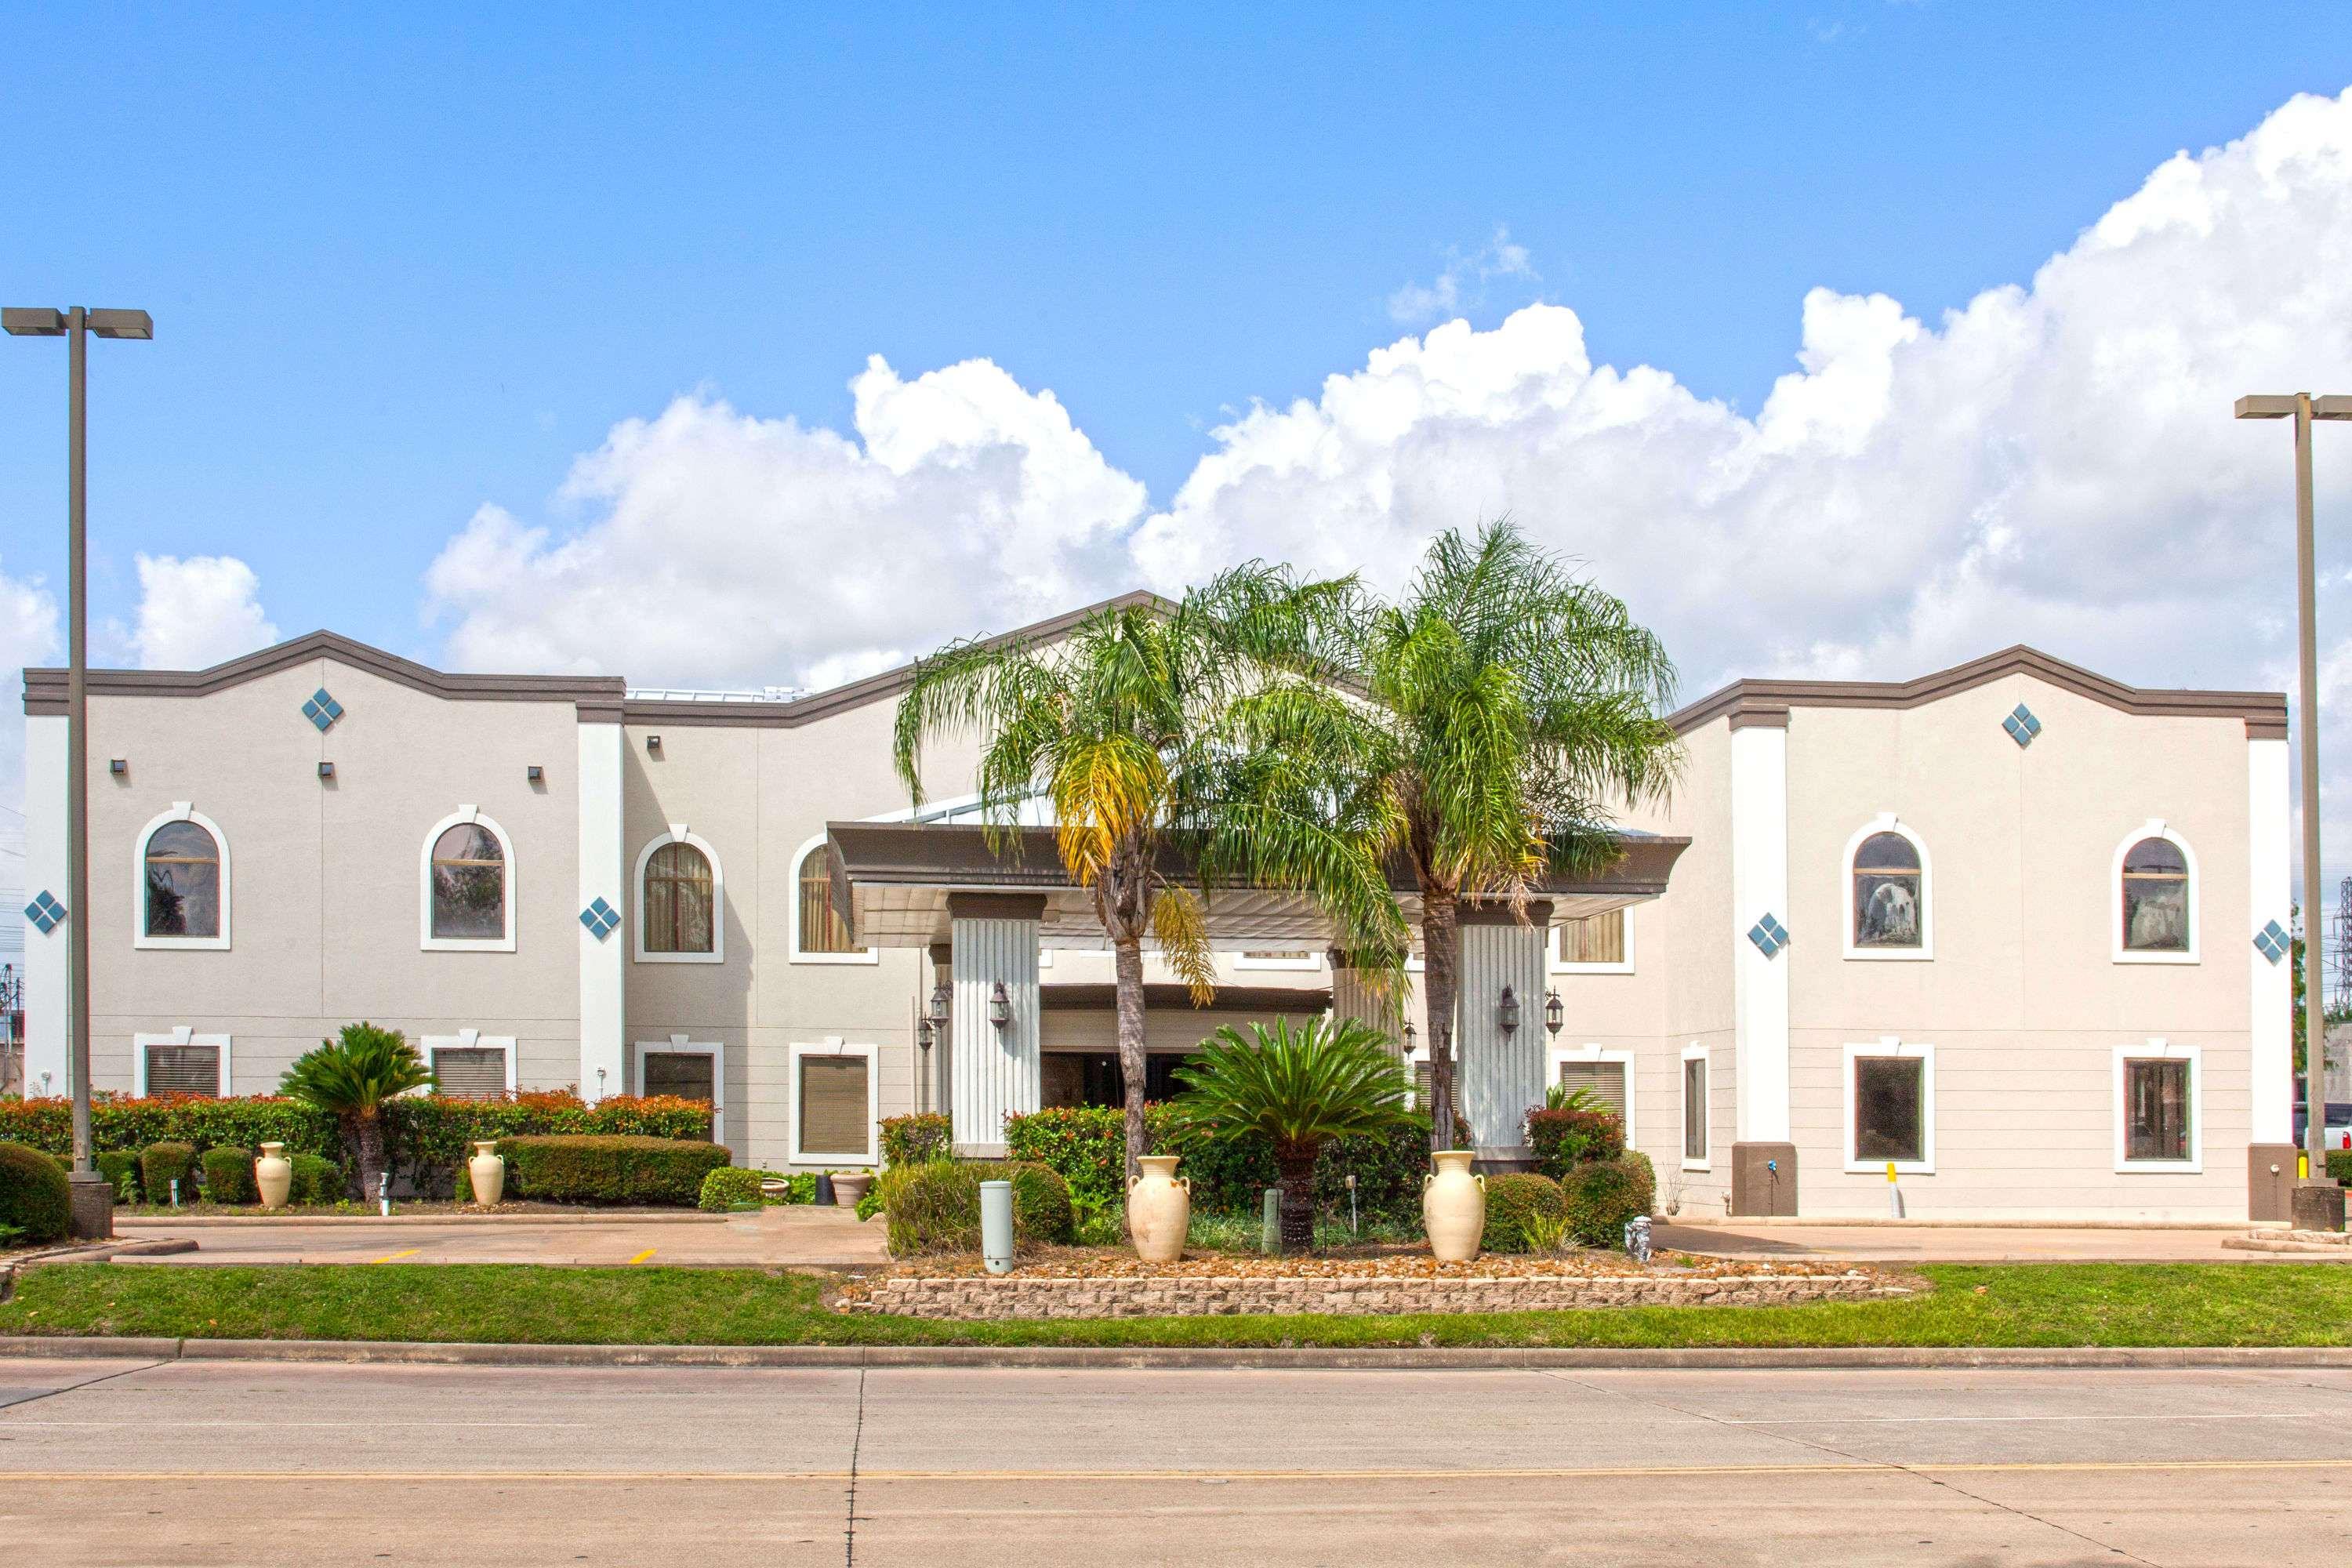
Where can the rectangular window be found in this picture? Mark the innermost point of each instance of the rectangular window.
(1421, 1087)
(1593, 939)
(834, 1094)
(185, 1070)
(1890, 1108)
(1694, 1110)
(1278, 958)
(1604, 1081)
(2157, 1110)
(470, 1072)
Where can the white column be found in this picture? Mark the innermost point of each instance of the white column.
(604, 959)
(1759, 888)
(1502, 1074)
(2271, 1019)
(993, 942)
(44, 871)
(1351, 998)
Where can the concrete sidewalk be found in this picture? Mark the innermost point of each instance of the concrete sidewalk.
(787, 1235)
(1897, 1242)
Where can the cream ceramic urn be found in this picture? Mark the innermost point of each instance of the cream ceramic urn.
(1159, 1209)
(488, 1172)
(273, 1175)
(1453, 1207)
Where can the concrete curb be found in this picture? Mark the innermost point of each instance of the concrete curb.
(1148, 1358)
(454, 1216)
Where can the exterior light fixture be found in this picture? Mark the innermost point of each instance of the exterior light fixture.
(534, 772)
(653, 744)
(326, 770)
(1000, 1007)
(939, 1010)
(1409, 1033)
(118, 765)
(1506, 1012)
(1555, 1014)
(923, 1033)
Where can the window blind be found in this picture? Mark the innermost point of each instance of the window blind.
(1605, 1080)
(183, 1069)
(832, 1106)
(471, 1072)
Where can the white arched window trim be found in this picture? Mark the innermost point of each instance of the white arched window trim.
(678, 834)
(182, 811)
(863, 955)
(424, 937)
(2153, 827)
(1888, 822)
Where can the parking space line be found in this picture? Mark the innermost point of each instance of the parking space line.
(395, 1257)
(641, 1257)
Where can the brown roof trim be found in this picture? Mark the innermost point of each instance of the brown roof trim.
(1746, 703)
(873, 689)
(1482, 912)
(1095, 997)
(44, 689)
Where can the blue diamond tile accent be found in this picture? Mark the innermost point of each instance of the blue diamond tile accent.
(323, 710)
(600, 918)
(46, 913)
(2021, 726)
(2273, 942)
(1769, 936)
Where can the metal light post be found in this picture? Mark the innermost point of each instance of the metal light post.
(93, 1199)
(2303, 408)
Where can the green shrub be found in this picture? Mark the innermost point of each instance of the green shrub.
(317, 1180)
(161, 1164)
(1516, 1202)
(934, 1205)
(1603, 1194)
(34, 1199)
(870, 1204)
(228, 1175)
(2339, 1166)
(1085, 1145)
(121, 1169)
(729, 1187)
(592, 1168)
(909, 1140)
(1562, 1139)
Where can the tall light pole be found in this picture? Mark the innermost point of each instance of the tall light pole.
(2303, 408)
(93, 1198)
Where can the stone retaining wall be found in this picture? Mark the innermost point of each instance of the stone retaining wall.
(981, 1297)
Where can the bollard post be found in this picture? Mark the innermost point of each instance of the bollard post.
(1893, 1194)
(1270, 1225)
(996, 1226)
(384, 1195)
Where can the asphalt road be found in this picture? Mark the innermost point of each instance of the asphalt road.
(209, 1463)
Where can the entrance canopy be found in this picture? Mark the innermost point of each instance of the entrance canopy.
(893, 880)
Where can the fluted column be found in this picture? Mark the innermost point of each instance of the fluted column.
(1501, 1071)
(993, 1071)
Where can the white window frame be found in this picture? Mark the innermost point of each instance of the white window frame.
(863, 955)
(182, 811)
(678, 834)
(469, 1040)
(2161, 1051)
(184, 1035)
(1909, 1050)
(2153, 827)
(678, 1045)
(835, 1045)
(1559, 966)
(1312, 960)
(1694, 1052)
(1588, 1054)
(1888, 822)
(425, 940)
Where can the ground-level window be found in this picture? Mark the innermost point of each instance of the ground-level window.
(685, 1070)
(1890, 1094)
(1594, 942)
(471, 1069)
(2155, 1108)
(1603, 1082)
(832, 1103)
(182, 1062)
(1695, 1151)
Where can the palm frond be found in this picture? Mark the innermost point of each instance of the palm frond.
(1179, 924)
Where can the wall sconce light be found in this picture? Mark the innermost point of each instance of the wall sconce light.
(923, 1033)
(534, 772)
(600, 1083)
(1409, 1032)
(44, 1086)
(1507, 1013)
(119, 765)
(938, 1011)
(653, 744)
(326, 770)
(1555, 1013)
(1000, 1007)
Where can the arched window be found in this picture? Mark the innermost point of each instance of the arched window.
(182, 867)
(820, 934)
(1888, 914)
(2153, 898)
(681, 900)
(469, 885)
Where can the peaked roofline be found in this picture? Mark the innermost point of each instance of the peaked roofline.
(1768, 703)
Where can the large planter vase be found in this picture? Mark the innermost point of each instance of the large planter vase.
(1158, 1210)
(848, 1190)
(1453, 1207)
(273, 1177)
(488, 1172)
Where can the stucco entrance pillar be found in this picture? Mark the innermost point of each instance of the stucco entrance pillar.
(1763, 1156)
(1351, 998)
(1501, 1070)
(993, 1066)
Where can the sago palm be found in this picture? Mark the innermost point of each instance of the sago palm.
(1481, 727)
(351, 1078)
(1301, 1088)
(1121, 727)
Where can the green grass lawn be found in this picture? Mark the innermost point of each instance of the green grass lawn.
(2011, 1304)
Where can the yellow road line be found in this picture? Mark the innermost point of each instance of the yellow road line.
(1593, 1473)
(641, 1257)
(395, 1257)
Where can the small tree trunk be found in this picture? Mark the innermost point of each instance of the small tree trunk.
(369, 1135)
(1441, 953)
(1294, 1167)
(1126, 953)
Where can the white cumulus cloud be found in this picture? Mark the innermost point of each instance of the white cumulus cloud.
(1461, 281)
(194, 612)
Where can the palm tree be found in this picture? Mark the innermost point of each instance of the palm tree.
(350, 1078)
(1122, 728)
(1482, 724)
(1300, 1087)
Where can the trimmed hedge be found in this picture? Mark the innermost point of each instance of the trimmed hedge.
(161, 1164)
(317, 1180)
(933, 1205)
(228, 1175)
(610, 1169)
(2339, 1166)
(909, 1140)
(729, 1187)
(121, 1169)
(1514, 1200)
(1562, 1139)
(35, 1202)
(1603, 1194)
